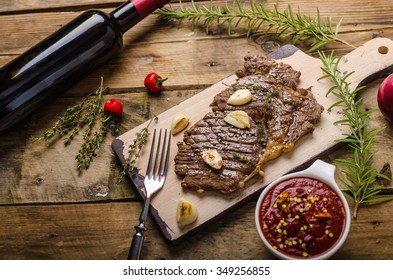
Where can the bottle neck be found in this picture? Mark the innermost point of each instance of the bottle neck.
(131, 12)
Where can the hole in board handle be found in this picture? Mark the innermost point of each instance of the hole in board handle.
(383, 50)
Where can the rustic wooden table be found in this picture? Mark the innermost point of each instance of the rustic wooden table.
(48, 211)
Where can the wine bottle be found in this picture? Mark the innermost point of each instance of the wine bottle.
(55, 64)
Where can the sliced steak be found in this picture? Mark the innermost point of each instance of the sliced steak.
(280, 115)
(261, 65)
(285, 114)
(239, 149)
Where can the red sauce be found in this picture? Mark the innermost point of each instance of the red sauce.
(302, 217)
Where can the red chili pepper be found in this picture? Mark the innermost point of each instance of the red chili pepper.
(153, 82)
(113, 107)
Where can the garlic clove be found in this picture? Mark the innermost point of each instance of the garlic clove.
(239, 119)
(179, 123)
(212, 158)
(186, 213)
(240, 97)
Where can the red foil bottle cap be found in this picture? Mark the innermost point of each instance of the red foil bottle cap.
(146, 7)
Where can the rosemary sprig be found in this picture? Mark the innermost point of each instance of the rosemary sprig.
(134, 151)
(360, 173)
(83, 116)
(300, 28)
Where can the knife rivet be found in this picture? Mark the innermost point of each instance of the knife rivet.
(383, 50)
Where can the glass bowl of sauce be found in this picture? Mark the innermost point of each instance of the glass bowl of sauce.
(303, 215)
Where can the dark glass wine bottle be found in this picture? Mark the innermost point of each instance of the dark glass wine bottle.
(52, 66)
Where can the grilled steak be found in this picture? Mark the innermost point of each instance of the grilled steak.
(261, 65)
(280, 115)
(285, 113)
(239, 149)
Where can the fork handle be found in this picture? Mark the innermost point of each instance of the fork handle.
(137, 240)
(136, 246)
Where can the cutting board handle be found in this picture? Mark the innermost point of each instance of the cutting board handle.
(372, 60)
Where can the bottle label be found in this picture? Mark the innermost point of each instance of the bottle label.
(145, 7)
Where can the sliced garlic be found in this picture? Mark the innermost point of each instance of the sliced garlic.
(186, 213)
(212, 158)
(239, 119)
(240, 97)
(179, 123)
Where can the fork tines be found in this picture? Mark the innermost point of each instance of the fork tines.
(161, 158)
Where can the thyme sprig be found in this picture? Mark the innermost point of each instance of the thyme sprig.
(316, 32)
(134, 151)
(242, 158)
(83, 116)
(360, 173)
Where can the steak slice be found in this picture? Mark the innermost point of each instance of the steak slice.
(261, 65)
(280, 114)
(239, 149)
(284, 114)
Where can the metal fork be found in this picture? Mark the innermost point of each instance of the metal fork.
(156, 171)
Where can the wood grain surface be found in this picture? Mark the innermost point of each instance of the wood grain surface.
(48, 211)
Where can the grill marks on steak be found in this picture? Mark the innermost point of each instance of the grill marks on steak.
(280, 115)
(212, 132)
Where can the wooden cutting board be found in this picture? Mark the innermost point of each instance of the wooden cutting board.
(372, 60)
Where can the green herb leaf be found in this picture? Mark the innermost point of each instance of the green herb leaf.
(134, 151)
(361, 175)
(83, 116)
(256, 17)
